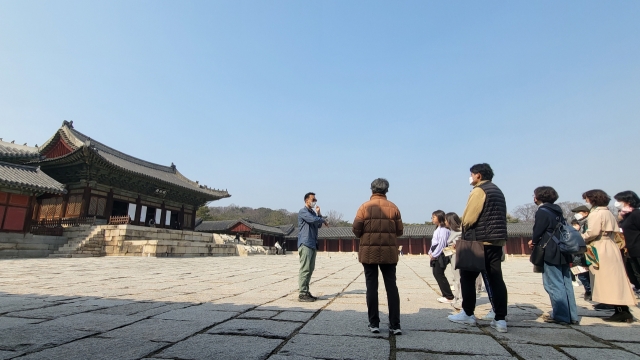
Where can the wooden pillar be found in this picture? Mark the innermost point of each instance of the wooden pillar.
(410, 247)
(325, 245)
(108, 209)
(27, 217)
(86, 200)
(424, 245)
(65, 202)
(136, 221)
(181, 217)
(163, 216)
(340, 245)
(193, 218)
(353, 245)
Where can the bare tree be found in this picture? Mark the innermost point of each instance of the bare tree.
(334, 218)
(526, 212)
(566, 207)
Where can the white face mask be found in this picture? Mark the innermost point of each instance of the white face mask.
(588, 205)
(618, 205)
(313, 205)
(579, 217)
(470, 180)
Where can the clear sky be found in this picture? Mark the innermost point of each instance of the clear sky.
(271, 99)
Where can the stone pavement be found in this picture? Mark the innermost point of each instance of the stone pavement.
(246, 308)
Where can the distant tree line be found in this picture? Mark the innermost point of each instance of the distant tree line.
(262, 215)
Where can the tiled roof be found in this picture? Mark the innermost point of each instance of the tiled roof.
(410, 231)
(168, 174)
(28, 178)
(223, 225)
(14, 152)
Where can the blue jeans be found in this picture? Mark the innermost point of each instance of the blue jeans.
(586, 282)
(557, 283)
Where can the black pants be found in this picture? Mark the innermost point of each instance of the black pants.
(393, 298)
(443, 283)
(493, 265)
(632, 266)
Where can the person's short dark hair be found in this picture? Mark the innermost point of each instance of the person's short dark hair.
(307, 195)
(440, 215)
(597, 197)
(380, 186)
(453, 220)
(546, 194)
(483, 169)
(575, 222)
(629, 197)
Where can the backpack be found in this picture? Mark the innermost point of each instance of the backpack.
(567, 238)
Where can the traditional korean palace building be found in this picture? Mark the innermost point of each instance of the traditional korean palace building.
(72, 176)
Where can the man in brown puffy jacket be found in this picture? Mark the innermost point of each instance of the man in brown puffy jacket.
(377, 225)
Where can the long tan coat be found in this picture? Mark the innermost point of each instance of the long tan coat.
(378, 224)
(609, 281)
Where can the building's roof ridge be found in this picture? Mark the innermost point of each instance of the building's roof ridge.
(10, 150)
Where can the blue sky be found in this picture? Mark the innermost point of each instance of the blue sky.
(271, 99)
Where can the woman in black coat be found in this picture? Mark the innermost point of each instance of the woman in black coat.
(556, 275)
(628, 203)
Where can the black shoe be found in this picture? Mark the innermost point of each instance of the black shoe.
(621, 315)
(311, 296)
(587, 296)
(374, 329)
(305, 298)
(603, 307)
(395, 331)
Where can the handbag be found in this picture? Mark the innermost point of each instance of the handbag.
(470, 254)
(537, 254)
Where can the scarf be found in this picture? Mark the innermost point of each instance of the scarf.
(591, 255)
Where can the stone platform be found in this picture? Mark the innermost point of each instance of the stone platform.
(246, 308)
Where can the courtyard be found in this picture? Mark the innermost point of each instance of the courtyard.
(247, 308)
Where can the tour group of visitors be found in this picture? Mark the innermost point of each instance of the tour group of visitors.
(473, 246)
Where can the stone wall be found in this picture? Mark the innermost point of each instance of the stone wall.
(131, 240)
(17, 245)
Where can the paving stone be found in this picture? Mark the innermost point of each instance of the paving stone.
(547, 336)
(527, 352)
(352, 323)
(633, 347)
(291, 357)
(8, 354)
(55, 311)
(157, 330)
(337, 347)
(294, 316)
(7, 322)
(33, 337)
(614, 333)
(199, 313)
(599, 354)
(450, 343)
(401, 355)
(94, 322)
(265, 328)
(257, 314)
(434, 320)
(99, 349)
(130, 309)
(206, 346)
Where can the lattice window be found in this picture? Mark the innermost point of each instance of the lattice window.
(102, 205)
(97, 206)
(93, 204)
(74, 206)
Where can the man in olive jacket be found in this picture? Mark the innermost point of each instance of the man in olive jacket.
(378, 224)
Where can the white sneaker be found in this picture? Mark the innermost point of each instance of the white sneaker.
(444, 300)
(500, 325)
(490, 315)
(462, 318)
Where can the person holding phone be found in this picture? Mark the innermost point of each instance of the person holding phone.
(309, 221)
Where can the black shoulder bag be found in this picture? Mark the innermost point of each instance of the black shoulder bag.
(470, 254)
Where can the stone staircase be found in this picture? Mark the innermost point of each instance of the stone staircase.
(84, 241)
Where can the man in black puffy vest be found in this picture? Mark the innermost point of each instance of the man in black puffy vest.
(485, 219)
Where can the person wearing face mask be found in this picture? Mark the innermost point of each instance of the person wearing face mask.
(556, 275)
(439, 261)
(609, 281)
(485, 220)
(309, 221)
(627, 203)
(581, 214)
